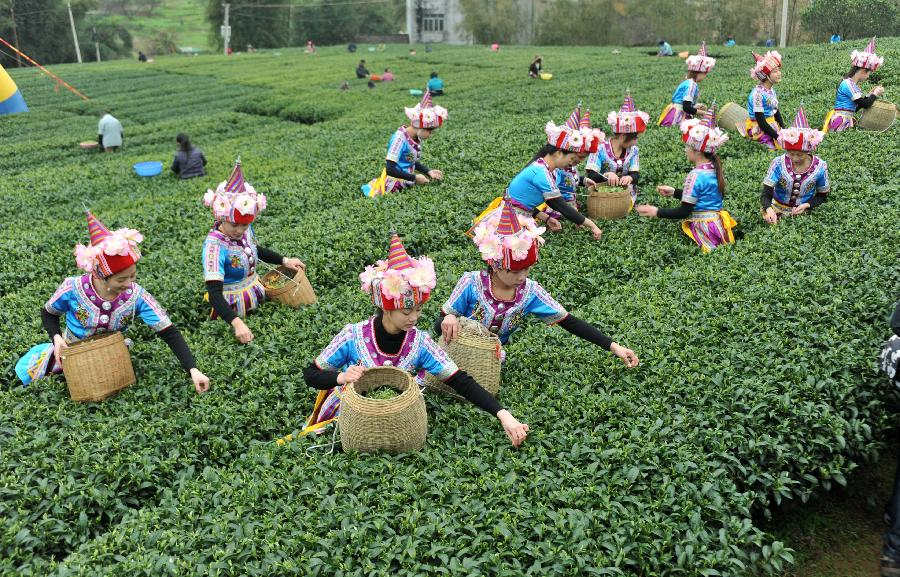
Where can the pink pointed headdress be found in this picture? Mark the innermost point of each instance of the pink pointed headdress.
(508, 240)
(574, 135)
(235, 200)
(702, 133)
(628, 119)
(867, 58)
(764, 65)
(108, 252)
(800, 136)
(425, 114)
(700, 62)
(400, 281)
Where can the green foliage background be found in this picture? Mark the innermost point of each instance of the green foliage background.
(758, 381)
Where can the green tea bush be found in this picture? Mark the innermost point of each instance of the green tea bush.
(757, 384)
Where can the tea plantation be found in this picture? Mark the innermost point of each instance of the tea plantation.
(758, 379)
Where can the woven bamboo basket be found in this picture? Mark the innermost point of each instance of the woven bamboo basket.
(395, 425)
(476, 351)
(294, 289)
(733, 117)
(97, 367)
(684, 54)
(880, 116)
(609, 202)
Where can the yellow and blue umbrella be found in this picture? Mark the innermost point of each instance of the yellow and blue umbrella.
(11, 101)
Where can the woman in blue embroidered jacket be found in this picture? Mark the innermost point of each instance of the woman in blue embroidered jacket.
(764, 119)
(230, 254)
(617, 160)
(105, 299)
(797, 181)
(849, 98)
(398, 287)
(702, 216)
(502, 296)
(685, 100)
(402, 165)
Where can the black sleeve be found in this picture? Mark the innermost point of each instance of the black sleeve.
(218, 302)
(765, 126)
(594, 175)
(565, 209)
(682, 211)
(172, 337)
(689, 107)
(203, 158)
(176, 166)
(778, 118)
(318, 378)
(865, 101)
(766, 196)
(422, 168)
(895, 320)
(436, 328)
(394, 170)
(816, 200)
(678, 192)
(463, 383)
(269, 256)
(635, 175)
(50, 322)
(585, 331)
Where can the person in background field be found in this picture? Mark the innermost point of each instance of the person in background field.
(797, 181)
(890, 364)
(109, 132)
(104, 299)
(764, 118)
(770, 42)
(849, 98)
(701, 214)
(398, 287)
(534, 69)
(435, 84)
(388, 76)
(402, 168)
(230, 254)
(835, 38)
(664, 49)
(310, 47)
(361, 70)
(141, 56)
(189, 161)
(684, 100)
(730, 41)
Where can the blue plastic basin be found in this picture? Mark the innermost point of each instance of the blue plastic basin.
(148, 168)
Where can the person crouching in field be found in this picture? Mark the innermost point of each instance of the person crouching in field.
(701, 214)
(850, 99)
(536, 184)
(402, 167)
(189, 160)
(104, 299)
(764, 119)
(616, 161)
(797, 181)
(685, 98)
(398, 287)
(230, 253)
(502, 296)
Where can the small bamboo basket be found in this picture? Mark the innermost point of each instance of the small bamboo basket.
(879, 117)
(475, 350)
(734, 117)
(609, 202)
(97, 367)
(285, 287)
(397, 425)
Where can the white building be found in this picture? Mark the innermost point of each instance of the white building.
(435, 21)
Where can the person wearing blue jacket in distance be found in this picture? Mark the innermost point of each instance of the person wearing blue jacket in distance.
(435, 85)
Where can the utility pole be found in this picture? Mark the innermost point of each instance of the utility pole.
(74, 34)
(784, 23)
(96, 42)
(12, 16)
(291, 25)
(226, 29)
